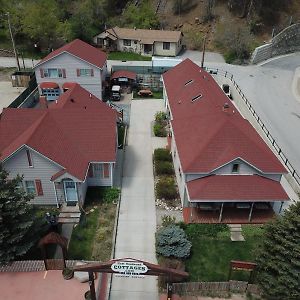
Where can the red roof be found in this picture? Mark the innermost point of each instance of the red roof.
(81, 50)
(236, 188)
(80, 132)
(68, 85)
(123, 74)
(49, 85)
(207, 135)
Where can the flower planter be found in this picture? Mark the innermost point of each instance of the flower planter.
(67, 273)
(87, 295)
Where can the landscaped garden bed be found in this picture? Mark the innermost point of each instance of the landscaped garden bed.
(92, 237)
(160, 124)
(155, 95)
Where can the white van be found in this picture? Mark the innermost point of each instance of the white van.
(116, 93)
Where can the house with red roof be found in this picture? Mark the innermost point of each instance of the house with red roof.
(61, 148)
(75, 62)
(225, 171)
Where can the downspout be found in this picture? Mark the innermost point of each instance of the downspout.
(57, 204)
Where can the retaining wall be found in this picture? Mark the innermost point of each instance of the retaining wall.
(287, 41)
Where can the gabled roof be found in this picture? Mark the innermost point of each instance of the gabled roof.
(79, 132)
(147, 36)
(123, 74)
(236, 188)
(81, 50)
(208, 130)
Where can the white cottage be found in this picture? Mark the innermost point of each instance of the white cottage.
(76, 62)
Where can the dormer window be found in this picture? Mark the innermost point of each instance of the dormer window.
(188, 82)
(235, 168)
(196, 97)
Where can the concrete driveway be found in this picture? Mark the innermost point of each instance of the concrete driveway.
(137, 221)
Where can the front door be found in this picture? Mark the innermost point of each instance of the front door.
(70, 191)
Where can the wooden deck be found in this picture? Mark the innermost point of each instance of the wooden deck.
(230, 216)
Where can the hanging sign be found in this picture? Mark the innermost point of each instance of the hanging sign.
(129, 269)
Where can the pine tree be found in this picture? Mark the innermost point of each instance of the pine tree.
(279, 257)
(17, 219)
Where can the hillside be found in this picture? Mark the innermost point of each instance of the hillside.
(191, 22)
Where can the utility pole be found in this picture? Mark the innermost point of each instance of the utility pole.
(13, 41)
(203, 51)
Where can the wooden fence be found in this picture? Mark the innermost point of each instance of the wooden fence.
(198, 288)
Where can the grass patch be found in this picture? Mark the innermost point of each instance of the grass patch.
(118, 55)
(92, 237)
(212, 251)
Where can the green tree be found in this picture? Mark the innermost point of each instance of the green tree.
(41, 22)
(142, 16)
(18, 229)
(279, 257)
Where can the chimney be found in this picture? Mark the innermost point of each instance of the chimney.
(226, 107)
(43, 102)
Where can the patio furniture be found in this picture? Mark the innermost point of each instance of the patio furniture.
(145, 93)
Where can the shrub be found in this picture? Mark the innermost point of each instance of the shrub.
(171, 241)
(162, 154)
(193, 231)
(159, 130)
(110, 195)
(168, 220)
(160, 116)
(163, 168)
(166, 188)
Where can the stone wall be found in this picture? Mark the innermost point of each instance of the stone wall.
(287, 41)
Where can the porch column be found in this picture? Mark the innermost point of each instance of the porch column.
(280, 209)
(221, 212)
(250, 213)
(191, 214)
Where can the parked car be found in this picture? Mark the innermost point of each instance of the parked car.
(226, 90)
(116, 93)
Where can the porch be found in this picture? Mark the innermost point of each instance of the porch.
(225, 214)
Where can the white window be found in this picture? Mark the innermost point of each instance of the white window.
(127, 42)
(53, 73)
(85, 72)
(51, 94)
(30, 187)
(166, 45)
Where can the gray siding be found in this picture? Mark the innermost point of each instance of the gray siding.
(42, 169)
(244, 168)
(93, 84)
(97, 181)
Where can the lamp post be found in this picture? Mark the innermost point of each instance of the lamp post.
(13, 41)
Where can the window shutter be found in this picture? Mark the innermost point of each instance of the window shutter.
(91, 171)
(92, 72)
(39, 188)
(42, 73)
(64, 73)
(78, 72)
(106, 170)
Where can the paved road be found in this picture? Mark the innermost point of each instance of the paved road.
(137, 221)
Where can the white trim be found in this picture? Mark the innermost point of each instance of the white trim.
(55, 192)
(96, 162)
(42, 62)
(236, 201)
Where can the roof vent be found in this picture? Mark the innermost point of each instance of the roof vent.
(179, 101)
(90, 95)
(72, 100)
(188, 82)
(225, 107)
(197, 97)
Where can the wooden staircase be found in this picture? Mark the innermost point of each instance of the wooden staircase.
(69, 214)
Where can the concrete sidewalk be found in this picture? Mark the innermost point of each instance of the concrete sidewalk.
(137, 221)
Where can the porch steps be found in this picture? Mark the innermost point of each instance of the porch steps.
(236, 233)
(69, 215)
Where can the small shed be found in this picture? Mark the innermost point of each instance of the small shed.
(123, 78)
(21, 78)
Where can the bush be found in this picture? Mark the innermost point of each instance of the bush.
(168, 220)
(171, 241)
(160, 116)
(162, 154)
(166, 188)
(110, 195)
(193, 231)
(163, 168)
(159, 130)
